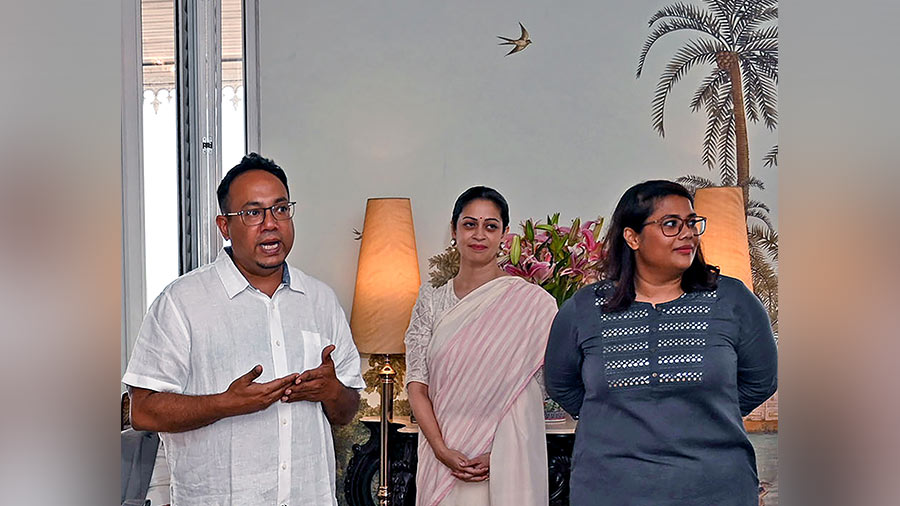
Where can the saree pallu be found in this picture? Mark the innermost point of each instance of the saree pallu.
(483, 355)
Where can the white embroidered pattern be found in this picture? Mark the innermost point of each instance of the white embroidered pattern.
(599, 299)
(626, 347)
(680, 326)
(680, 310)
(627, 363)
(629, 382)
(627, 315)
(687, 358)
(680, 377)
(684, 354)
(626, 331)
(682, 341)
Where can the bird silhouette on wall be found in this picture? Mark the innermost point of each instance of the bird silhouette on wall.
(518, 44)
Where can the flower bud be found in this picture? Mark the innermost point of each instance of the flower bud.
(576, 227)
(515, 251)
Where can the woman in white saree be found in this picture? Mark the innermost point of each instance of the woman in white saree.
(473, 347)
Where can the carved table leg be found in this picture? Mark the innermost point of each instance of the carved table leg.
(362, 469)
(360, 483)
(559, 466)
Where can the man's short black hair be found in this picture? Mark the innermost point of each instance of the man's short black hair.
(250, 162)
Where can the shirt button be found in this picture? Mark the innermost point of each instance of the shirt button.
(277, 343)
(654, 375)
(284, 421)
(283, 465)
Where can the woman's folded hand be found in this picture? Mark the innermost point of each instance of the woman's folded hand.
(465, 469)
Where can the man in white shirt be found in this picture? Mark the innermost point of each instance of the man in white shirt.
(242, 365)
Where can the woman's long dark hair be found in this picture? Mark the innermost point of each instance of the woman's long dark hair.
(632, 211)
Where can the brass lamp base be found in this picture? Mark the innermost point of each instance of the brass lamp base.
(386, 374)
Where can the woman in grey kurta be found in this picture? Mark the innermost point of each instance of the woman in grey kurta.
(660, 362)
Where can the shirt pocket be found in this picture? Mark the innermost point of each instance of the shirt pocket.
(312, 349)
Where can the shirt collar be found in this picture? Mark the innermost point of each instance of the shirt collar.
(231, 277)
(235, 282)
(294, 282)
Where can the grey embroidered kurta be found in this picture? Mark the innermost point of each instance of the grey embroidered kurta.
(660, 393)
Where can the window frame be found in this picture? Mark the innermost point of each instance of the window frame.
(199, 94)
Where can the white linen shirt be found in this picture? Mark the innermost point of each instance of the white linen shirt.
(209, 327)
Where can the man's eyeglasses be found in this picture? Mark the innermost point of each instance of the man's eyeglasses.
(673, 225)
(256, 215)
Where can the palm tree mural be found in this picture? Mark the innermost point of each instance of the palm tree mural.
(739, 41)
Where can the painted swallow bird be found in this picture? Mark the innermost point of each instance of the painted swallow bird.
(518, 44)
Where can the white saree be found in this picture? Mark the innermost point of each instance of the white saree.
(483, 355)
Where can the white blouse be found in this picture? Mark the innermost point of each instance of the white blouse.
(431, 304)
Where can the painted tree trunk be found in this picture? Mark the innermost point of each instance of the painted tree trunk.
(729, 61)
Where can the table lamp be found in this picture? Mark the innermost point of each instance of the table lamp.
(725, 241)
(387, 283)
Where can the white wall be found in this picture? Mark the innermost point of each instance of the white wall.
(368, 99)
(60, 252)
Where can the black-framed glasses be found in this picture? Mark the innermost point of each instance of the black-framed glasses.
(673, 225)
(256, 215)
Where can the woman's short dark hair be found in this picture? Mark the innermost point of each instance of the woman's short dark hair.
(477, 193)
(250, 162)
(632, 211)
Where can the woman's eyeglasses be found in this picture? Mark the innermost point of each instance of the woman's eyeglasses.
(673, 225)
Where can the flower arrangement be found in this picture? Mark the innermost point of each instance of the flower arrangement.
(560, 259)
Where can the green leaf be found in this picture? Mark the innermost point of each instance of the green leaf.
(559, 291)
(556, 243)
(555, 219)
(563, 262)
(545, 227)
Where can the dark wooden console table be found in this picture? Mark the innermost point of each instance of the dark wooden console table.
(361, 481)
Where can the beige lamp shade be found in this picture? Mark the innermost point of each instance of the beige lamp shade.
(387, 277)
(725, 241)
